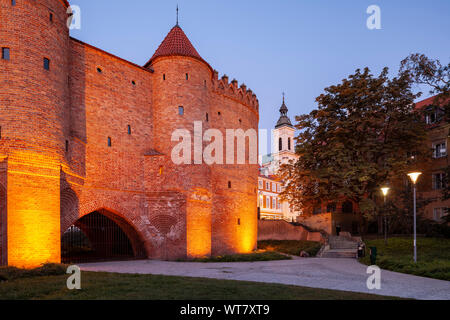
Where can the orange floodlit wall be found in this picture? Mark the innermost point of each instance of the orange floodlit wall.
(33, 223)
(198, 225)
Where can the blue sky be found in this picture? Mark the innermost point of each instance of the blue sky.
(294, 46)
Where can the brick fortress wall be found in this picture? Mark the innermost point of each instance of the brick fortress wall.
(56, 165)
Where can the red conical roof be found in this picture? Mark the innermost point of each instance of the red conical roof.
(176, 43)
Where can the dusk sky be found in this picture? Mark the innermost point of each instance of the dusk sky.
(294, 46)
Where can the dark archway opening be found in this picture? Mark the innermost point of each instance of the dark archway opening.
(100, 236)
(347, 207)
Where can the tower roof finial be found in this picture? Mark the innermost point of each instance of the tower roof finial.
(177, 15)
(284, 119)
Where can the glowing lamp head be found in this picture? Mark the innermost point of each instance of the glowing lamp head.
(414, 176)
(385, 191)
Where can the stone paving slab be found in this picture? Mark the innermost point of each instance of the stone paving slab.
(337, 274)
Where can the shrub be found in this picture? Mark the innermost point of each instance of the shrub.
(11, 273)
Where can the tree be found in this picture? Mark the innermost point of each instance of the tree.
(431, 73)
(363, 133)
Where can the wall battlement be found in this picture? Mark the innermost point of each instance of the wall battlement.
(232, 90)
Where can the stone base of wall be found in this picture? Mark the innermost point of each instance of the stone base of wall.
(282, 230)
(321, 222)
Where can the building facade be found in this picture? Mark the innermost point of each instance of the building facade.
(283, 147)
(84, 132)
(269, 204)
(433, 180)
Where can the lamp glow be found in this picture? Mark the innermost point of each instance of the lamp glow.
(385, 191)
(414, 176)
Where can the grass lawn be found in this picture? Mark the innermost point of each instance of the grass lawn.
(249, 257)
(111, 286)
(291, 247)
(433, 256)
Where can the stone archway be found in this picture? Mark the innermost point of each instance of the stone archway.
(101, 235)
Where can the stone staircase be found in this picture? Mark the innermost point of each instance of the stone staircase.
(343, 246)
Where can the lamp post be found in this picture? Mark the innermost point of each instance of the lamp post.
(385, 191)
(414, 176)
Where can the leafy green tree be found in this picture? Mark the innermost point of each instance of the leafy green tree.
(431, 73)
(363, 134)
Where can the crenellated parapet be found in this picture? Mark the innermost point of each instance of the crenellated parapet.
(233, 91)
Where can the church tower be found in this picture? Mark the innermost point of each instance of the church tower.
(283, 139)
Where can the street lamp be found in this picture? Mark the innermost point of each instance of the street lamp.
(385, 192)
(414, 176)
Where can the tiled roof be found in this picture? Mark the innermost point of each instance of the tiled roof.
(176, 43)
(428, 102)
(425, 103)
(269, 177)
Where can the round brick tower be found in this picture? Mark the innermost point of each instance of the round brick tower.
(221, 216)
(34, 100)
(34, 120)
(181, 102)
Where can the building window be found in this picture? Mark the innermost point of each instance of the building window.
(439, 150)
(274, 187)
(187, 76)
(13, 2)
(133, 82)
(229, 184)
(164, 77)
(0, 132)
(5, 53)
(317, 210)
(207, 117)
(219, 113)
(331, 207)
(161, 170)
(431, 117)
(129, 129)
(267, 186)
(438, 214)
(289, 144)
(181, 110)
(67, 145)
(438, 181)
(239, 222)
(46, 64)
(99, 70)
(109, 142)
(260, 184)
(280, 144)
(267, 202)
(51, 17)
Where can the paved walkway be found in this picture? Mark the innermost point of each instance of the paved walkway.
(338, 274)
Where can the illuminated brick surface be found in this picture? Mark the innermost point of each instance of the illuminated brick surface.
(172, 211)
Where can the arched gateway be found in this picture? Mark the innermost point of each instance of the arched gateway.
(99, 236)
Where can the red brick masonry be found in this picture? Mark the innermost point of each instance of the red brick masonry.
(55, 162)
